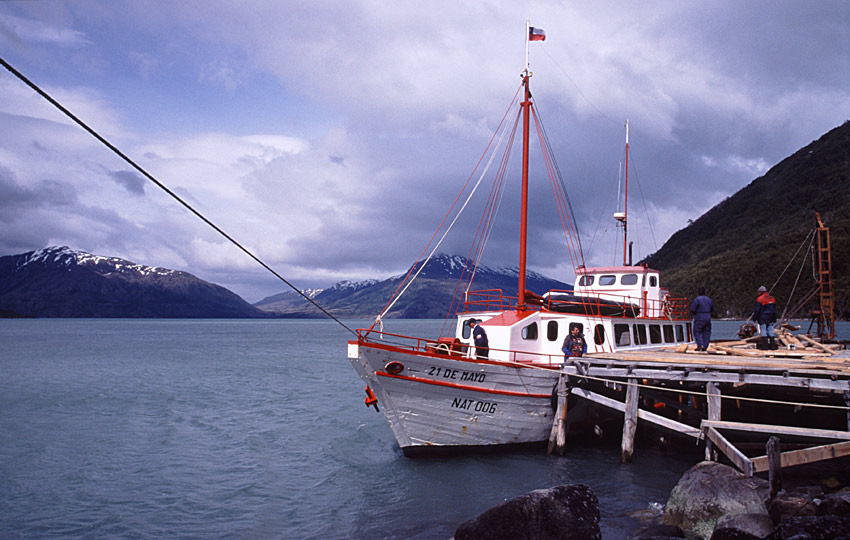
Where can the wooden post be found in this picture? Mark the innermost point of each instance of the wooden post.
(630, 421)
(558, 435)
(714, 405)
(774, 459)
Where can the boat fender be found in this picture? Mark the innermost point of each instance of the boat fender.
(371, 400)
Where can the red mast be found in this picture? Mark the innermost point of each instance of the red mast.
(626, 200)
(523, 228)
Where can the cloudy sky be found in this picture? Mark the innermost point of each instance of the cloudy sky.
(330, 137)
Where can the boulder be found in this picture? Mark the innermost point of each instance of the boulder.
(836, 504)
(564, 512)
(798, 502)
(659, 531)
(743, 527)
(813, 528)
(709, 490)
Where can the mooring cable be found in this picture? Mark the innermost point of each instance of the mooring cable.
(162, 186)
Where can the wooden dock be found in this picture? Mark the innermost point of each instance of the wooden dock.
(731, 396)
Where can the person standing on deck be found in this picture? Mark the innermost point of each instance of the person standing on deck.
(701, 309)
(574, 343)
(479, 336)
(764, 315)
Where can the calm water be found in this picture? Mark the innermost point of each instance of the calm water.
(247, 429)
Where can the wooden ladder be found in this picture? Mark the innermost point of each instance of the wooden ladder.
(823, 265)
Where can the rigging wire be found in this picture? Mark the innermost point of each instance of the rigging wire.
(802, 265)
(162, 186)
(411, 275)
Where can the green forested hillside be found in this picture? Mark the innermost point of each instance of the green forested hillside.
(748, 239)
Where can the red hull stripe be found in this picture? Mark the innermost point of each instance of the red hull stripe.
(454, 357)
(461, 386)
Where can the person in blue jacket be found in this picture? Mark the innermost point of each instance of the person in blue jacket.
(574, 343)
(701, 309)
(764, 315)
(479, 336)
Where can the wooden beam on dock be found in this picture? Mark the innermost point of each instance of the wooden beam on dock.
(805, 455)
(749, 466)
(641, 414)
(744, 464)
(816, 344)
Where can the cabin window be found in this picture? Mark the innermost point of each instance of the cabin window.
(607, 280)
(530, 331)
(599, 334)
(653, 281)
(640, 334)
(655, 333)
(552, 330)
(629, 279)
(586, 281)
(621, 335)
(668, 334)
(466, 332)
(680, 333)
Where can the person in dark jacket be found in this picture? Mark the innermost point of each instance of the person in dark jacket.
(479, 336)
(574, 344)
(764, 315)
(701, 309)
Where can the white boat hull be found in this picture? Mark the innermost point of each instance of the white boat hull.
(448, 401)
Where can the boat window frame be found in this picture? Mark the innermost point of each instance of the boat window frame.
(655, 336)
(669, 333)
(599, 334)
(549, 330)
(529, 332)
(620, 330)
(586, 281)
(606, 278)
(680, 333)
(640, 333)
(633, 279)
(465, 332)
(653, 280)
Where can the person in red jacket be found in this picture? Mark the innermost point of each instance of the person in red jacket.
(764, 315)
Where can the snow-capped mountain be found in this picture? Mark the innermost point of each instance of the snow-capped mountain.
(61, 282)
(429, 296)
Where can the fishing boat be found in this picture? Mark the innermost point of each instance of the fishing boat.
(445, 393)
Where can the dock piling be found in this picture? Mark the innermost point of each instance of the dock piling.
(630, 421)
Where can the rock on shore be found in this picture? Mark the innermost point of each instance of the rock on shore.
(569, 512)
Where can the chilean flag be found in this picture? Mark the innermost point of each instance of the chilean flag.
(536, 34)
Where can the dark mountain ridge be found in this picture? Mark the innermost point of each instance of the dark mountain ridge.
(61, 282)
(429, 296)
(748, 239)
